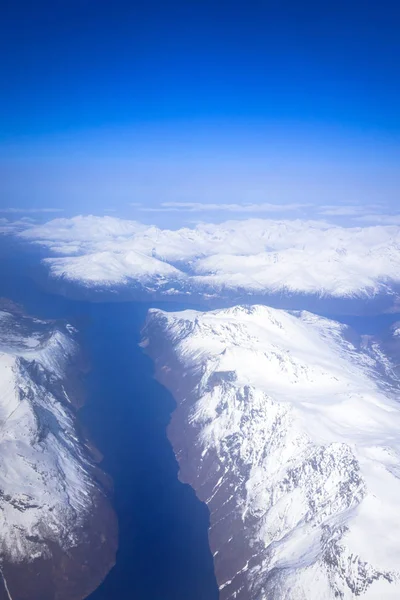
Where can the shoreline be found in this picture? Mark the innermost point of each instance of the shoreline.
(179, 436)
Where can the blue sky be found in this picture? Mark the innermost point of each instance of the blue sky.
(152, 103)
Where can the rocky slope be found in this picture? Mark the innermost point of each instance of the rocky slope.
(57, 528)
(287, 426)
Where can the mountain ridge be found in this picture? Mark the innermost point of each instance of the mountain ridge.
(57, 529)
(286, 427)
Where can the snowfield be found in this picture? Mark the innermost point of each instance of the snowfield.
(44, 486)
(288, 426)
(255, 256)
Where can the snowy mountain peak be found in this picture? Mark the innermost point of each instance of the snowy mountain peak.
(290, 432)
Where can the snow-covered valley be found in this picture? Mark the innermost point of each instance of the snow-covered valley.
(287, 426)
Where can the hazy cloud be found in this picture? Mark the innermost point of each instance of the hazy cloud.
(12, 210)
(340, 211)
(381, 219)
(222, 207)
(10, 227)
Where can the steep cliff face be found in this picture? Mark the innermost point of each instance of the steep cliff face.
(287, 426)
(57, 528)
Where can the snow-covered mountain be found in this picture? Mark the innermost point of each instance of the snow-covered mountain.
(57, 528)
(257, 258)
(288, 427)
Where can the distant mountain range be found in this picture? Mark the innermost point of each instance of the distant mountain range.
(287, 427)
(253, 260)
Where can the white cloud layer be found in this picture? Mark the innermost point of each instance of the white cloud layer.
(256, 256)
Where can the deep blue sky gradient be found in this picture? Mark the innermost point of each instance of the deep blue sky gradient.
(204, 78)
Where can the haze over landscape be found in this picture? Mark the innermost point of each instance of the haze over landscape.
(150, 109)
(200, 300)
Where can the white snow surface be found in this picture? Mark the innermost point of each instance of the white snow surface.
(45, 486)
(255, 255)
(306, 435)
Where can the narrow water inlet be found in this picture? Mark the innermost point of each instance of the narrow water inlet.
(163, 544)
(164, 552)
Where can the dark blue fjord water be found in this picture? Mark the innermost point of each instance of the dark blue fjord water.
(163, 546)
(164, 552)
